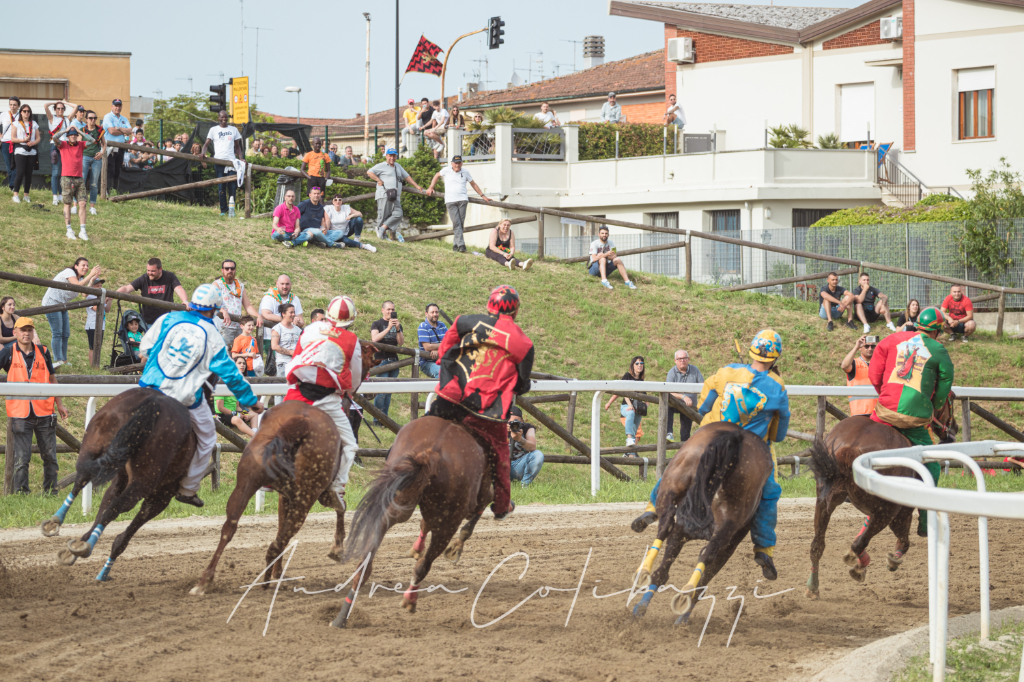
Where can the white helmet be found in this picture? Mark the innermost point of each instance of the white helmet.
(341, 311)
(206, 297)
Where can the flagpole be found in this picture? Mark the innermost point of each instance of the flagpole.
(398, 81)
(447, 56)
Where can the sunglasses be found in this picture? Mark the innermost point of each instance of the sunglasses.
(90, 118)
(638, 362)
(227, 268)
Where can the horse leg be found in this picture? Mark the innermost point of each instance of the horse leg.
(83, 546)
(439, 539)
(714, 566)
(724, 542)
(421, 542)
(330, 500)
(824, 507)
(454, 551)
(900, 527)
(151, 507)
(51, 526)
(676, 539)
(358, 578)
(858, 557)
(291, 514)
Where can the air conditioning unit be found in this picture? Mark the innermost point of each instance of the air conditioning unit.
(891, 28)
(680, 50)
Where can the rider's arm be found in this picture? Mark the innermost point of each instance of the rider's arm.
(944, 383)
(708, 395)
(783, 427)
(525, 368)
(225, 368)
(355, 366)
(876, 369)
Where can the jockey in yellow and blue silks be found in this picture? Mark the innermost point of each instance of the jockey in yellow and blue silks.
(754, 398)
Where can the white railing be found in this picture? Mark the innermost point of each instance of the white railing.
(941, 502)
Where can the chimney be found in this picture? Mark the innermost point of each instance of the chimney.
(593, 51)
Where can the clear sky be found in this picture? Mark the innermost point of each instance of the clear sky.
(320, 45)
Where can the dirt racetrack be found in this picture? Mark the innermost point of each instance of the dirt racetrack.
(57, 621)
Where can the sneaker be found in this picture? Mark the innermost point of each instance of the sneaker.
(74, 209)
(952, 337)
(630, 441)
(56, 201)
(455, 249)
(462, 249)
(502, 517)
(669, 437)
(288, 244)
(26, 199)
(606, 284)
(337, 245)
(867, 328)
(357, 238)
(222, 215)
(508, 264)
(358, 461)
(767, 565)
(891, 326)
(368, 247)
(82, 235)
(631, 285)
(189, 499)
(963, 339)
(525, 265)
(15, 199)
(71, 233)
(829, 326)
(57, 364)
(399, 237)
(92, 210)
(851, 324)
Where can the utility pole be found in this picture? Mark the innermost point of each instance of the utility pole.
(241, 20)
(398, 80)
(366, 106)
(256, 81)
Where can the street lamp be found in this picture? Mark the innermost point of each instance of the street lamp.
(298, 101)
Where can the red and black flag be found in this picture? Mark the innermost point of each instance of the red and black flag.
(424, 59)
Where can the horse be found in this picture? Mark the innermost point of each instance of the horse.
(832, 464)
(143, 441)
(436, 464)
(294, 452)
(710, 491)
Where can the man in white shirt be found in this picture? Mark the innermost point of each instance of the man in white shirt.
(270, 311)
(674, 115)
(7, 120)
(227, 146)
(456, 198)
(612, 112)
(117, 129)
(548, 117)
(602, 254)
(436, 128)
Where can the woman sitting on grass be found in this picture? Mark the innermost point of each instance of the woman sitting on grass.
(908, 318)
(502, 244)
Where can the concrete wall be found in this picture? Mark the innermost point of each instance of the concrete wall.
(94, 80)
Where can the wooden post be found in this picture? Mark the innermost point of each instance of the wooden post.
(965, 427)
(414, 398)
(1001, 315)
(248, 191)
(229, 435)
(368, 406)
(997, 422)
(540, 234)
(101, 321)
(570, 420)
(819, 429)
(689, 261)
(663, 414)
(835, 411)
(103, 178)
(9, 459)
(223, 180)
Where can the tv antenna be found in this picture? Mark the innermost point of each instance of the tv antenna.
(189, 79)
(575, 43)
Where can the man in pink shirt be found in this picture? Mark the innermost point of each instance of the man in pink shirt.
(286, 223)
(72, 184)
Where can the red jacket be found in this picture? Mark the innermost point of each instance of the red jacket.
(485, 362)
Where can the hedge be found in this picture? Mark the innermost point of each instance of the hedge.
(597, 140)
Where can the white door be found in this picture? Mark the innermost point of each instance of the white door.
(857, 112)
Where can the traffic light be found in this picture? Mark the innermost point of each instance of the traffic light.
(218, 101)
(495, 33)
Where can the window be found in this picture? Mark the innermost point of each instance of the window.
(805, 217)
(47, 89)
(725, 258)
(856, 112)
(976, 90)
(661, 262)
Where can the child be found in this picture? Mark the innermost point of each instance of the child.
(245, 347)
(228, 410)
(134, 338)
(90, 322)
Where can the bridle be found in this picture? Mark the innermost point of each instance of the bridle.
(944, 431)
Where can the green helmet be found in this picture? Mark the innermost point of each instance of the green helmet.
(930, 320)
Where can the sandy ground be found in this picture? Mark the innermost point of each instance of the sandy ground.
(57, 621)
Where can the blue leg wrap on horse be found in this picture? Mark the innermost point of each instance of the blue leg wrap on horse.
(105, 571)
(762, 530)
(651, 589)
(654, 493)
(94, 538)
(63, 511)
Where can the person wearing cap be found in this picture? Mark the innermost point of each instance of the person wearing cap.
(456, 198)
(72, 184)
(59, 125)
(412, 123)
(117, 129)
(390, 176)
(522, 444)
(611, 112)
(27, 362)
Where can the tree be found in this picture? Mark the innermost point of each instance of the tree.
(791, 137)
(181, 113)
(989, 232)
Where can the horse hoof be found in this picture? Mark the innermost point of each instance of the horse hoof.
(453, 554)
(413, 554)
(894, 561)
(858, 574)
(334, 555)
(80, 548)
(643, 578)
(409, 605)
(682, 604)
(811, 594)
(66, 558)
(198, 590)
(641, 522)
(640, 610)
(51, 527)
(850, 559)
(683, 619)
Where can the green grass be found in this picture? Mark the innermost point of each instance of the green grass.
(970, 662)
(580, 329)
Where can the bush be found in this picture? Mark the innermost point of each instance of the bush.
(790, 137)
(987, 235)
(830, 141)
(597, 140)
(938, 199)
(888, 215)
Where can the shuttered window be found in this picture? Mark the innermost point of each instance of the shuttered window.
(976, 92)
(857, 112)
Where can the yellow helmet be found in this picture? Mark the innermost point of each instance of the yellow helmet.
(766, 346)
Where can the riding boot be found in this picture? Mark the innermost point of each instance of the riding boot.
(922, 523)
(189, 499)
(763, 558)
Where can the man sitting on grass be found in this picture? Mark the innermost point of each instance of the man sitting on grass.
(831, 301)
(286, 222)
(602, 256)
(869, 303)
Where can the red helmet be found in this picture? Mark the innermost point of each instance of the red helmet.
(341, 311)
(504, 300)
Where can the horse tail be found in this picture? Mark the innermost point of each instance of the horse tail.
(824, 465)
(278, 459)
(371, 519)
(124, 444)
(722, 454)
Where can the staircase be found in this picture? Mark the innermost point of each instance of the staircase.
(903, 189)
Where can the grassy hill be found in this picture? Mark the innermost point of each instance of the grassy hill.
(580, 329)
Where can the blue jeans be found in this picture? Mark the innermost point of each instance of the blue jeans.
(60, 332)
(55, 178)
(91, 169)
(836, 315)
(282, 237)
(225, 189)
(8, 164)
(354, 228)
(383, 400)
(431, 369)
(527, 467)
(318, 236)
(632, 421)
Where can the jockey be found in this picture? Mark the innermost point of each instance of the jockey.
(913, 375)
(187, 348)
(326, 364)
(486, 362)
(756, 399)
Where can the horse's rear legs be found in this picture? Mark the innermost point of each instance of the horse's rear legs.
(439, 539)
(900, 527)
(454, 551)
(857, 558)
(669, 542)
(710, 560)
(152, 506)
(120, 497)
(825, 505)
(244, 490)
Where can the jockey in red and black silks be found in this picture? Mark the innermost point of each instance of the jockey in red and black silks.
(485, 362)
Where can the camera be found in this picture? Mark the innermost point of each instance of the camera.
(870, 340)
(516, 426)
(394, 315)
(99, 281)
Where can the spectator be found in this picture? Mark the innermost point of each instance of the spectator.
(24, 139)
(132, 335)
(90, 324)
(602, 254)
(179, 146)
(346, 225)
(547, 116)
(92, 160)
(869, 303)
(611, 112)
(313, 222)
(960, 309)
(674, 115)
(856, 369)
(386, 330)
(273, 150)
(482, 145)
(348, 159)
(244, 347)
(227, 146)
(234, 299)
(412, 124)
(228, 411)
(501, 244)
(907, 321)
(59, 125)
(7, 120)
(317, 315)
(28, 362)
(270, 310)
(522, 444)
(285, 152)
(316, 166)
(72, 184)
(426, 115)
(117, 129)
(434, 131)
(683, 373)
(79, 120)
(390, 177)
(285, 222)
(429, 333)
(632, 411)
(332, 154)
(60, 325)
(284, 337)
(831, 301)
(137, 129)
(7, 320)
(455, 118)
(456, 198)
(158, 284)
(139, 160)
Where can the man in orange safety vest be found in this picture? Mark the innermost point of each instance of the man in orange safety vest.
(856, 368)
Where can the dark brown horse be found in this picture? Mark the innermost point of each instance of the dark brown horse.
(710, 491)
(832, 463)
(438, 465)
(143, 441)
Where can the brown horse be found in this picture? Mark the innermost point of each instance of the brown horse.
(438, 465)
(710, 491)
(294, 452)
(832, 463)
(143, 441)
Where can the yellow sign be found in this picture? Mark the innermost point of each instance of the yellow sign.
(240, 100)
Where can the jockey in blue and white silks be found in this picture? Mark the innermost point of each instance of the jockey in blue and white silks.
(181, 350)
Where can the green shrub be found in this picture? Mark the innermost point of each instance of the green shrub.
(597, 140)
(938, 199)
(790, 137)
(998, 198)
(830, 141)
(888, 215)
